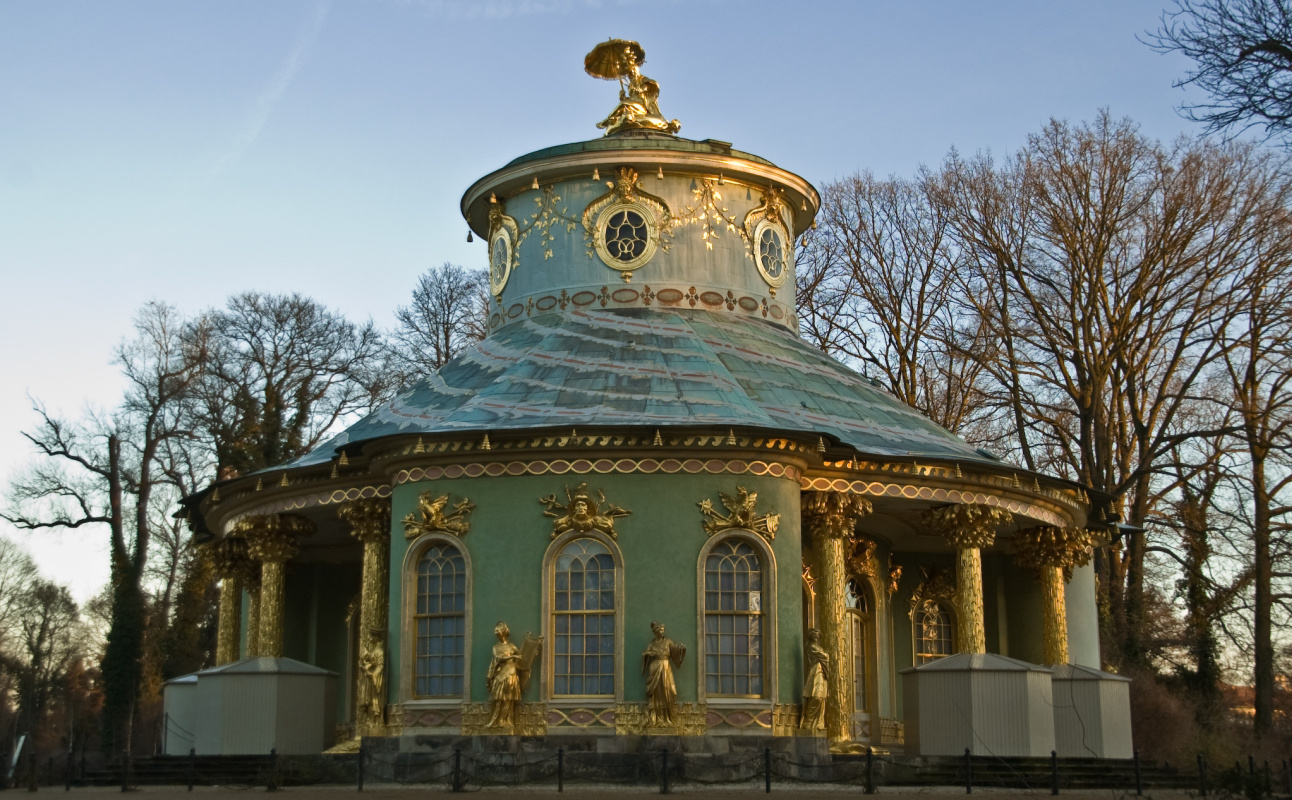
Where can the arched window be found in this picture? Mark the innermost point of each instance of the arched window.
(440, 622)
(583, 608)
(733, 617)
(932, 633)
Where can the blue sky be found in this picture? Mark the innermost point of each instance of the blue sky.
(186, 151)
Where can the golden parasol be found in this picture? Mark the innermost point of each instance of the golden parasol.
(609, 60)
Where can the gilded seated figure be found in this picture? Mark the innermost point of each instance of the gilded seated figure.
(661, 657)
(638, 107)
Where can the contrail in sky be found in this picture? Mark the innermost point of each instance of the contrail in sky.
(273, 92)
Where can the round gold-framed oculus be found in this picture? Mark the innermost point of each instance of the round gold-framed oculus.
(501, 256)
(772, 253)
(627, 235)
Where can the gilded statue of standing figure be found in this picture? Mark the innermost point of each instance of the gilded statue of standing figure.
(503, 679)
(814, 685)
(658, 662)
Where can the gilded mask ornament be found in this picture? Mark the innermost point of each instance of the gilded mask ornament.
(430, 517)
(742, 515)
(861, 560)
(638, 109)
(581, 513)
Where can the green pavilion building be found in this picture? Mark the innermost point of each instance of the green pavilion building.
(642, 438)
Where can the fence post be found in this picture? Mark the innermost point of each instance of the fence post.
(968, 772)
(1054, 772)
(1139, 782)
(457, 769)
(68, 777)
(560, 769)
(362, 753)
(1202, 776)
(1287, 775)
(870, 770)
(192, 767)
(125, 770)
(1269, 787)
(663, 773)
(767, 770)
(1251, 764)
(273, 770)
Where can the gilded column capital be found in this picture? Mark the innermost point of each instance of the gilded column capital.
(833, 515)
(273, 538)
(967, 526)
(1047, 546)
(369, 518)
(230, 558)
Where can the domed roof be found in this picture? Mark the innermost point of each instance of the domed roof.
(654, 367)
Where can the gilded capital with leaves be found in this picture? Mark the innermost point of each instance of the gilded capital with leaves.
(833, 515)
(1050, 546)
(967, 525)
(273, 538)
(369, 518)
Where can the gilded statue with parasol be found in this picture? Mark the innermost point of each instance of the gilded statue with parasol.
(638, 109)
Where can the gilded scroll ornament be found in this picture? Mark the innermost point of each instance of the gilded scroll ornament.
(580, 513)
(862, 560)
(430, 517)
(625, 225)
(742, 515)
(508, 676)
(894, 576)
(937, 586)
(767, 232)
(638, 109)
(662, 656)
(815, 689)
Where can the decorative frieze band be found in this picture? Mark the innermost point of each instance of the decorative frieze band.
(601, 466)
(940, 495)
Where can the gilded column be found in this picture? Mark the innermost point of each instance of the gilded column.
(273, 540)
(831, 518)
(370, 523)
(233, 565)
(1052, 553)
(253, 613)
(969, 527)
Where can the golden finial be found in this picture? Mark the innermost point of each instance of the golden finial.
(535, 185)
(820, 444)
(659, 440)
(334, 474)
(959, 474)
(596, 174)
(345, 460)
(638, 109)
(484, 444)
(283, 482)
(419, 448)
(215, 496)
(731, 438)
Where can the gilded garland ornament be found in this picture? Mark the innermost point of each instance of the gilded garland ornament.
(638, 109)
(742, 516)
(967, 525)
(430, 517)
(581, 513)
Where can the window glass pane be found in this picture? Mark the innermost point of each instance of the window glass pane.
(733, 582)
(440, 622)
(584, 619)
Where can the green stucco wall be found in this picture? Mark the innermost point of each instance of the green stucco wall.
(661, 543)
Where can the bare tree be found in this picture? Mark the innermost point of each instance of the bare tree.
(1242, 54)
(449, 311)
(281, 371)
(877, 289)
(106, 471)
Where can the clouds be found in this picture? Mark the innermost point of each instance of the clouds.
(273, 91)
